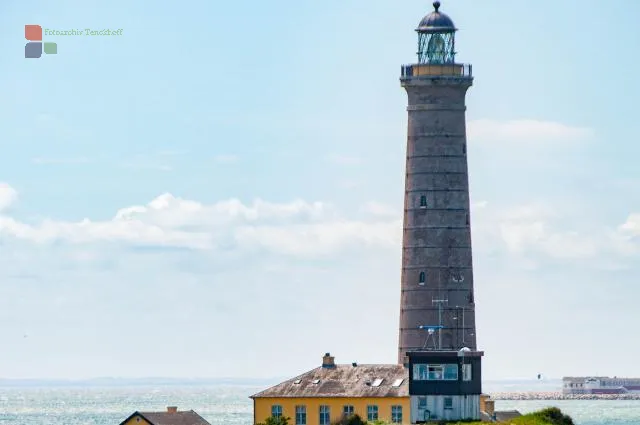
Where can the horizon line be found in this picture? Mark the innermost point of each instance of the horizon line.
(223, 378)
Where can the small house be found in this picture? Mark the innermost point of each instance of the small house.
(170, 417)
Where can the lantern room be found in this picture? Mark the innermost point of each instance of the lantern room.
(436, 38)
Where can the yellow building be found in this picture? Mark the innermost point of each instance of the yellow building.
(171, 417)
(327, 393)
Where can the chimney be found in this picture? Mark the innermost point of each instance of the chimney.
(328, 361)
(172, 409)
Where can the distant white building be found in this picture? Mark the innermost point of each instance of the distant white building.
(600, 385)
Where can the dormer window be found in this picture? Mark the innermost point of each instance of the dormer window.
(421, 279)
(423, 201)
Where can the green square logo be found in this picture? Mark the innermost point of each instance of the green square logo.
(50, 48)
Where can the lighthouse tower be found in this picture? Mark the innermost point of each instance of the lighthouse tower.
(437, 302)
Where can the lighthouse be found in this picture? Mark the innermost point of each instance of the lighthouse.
(437, 309)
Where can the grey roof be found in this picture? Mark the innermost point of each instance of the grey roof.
(344, 381)
(436, 21)
(506, 415)
(167, 418)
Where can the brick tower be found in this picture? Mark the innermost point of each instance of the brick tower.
(437, 302)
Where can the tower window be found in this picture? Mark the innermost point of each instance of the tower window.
(464, 149)
(467, 219)
(423, 201)
(457, 277)
(421, 278)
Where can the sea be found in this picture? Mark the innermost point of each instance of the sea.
(227, 403)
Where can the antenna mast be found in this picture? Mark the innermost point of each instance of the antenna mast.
(440, 303)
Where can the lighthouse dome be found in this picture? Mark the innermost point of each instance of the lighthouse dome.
(436, 21)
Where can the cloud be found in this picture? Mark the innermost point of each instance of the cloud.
(379, 209)
(537, 232)
(532, 232)
(8, 196)
(297, 228)
(632, 225)
(525, 131)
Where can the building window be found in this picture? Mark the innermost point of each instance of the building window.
(423, 201)
(325, 415)
(421, 278)
(347, 411)
(301, 415)
(396, 414)
(451, 372)
(422, 402)
(464, 149)
(448, 402)
(372, 413)
(466, 372)
(466, 220)
(276, 410)
(435, 372)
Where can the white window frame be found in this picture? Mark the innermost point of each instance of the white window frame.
(276, 410)
(301, 415)
(467, 374)
(450, 403)
(396, 414)
(325, 415)
(348, 410)
(435, 372)
(372, 412)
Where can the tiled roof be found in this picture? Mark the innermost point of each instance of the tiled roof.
(345, 381)
(171, 418)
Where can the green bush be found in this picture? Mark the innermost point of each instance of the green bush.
(351, 420)
(554, 416)
(281, 420)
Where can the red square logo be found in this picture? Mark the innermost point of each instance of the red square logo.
(33, 32)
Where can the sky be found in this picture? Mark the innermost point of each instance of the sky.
(217, 191)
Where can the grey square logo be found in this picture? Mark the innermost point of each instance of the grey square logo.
(33, 50)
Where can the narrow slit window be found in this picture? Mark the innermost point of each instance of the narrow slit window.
(467, 219)
(421, 278)
(423, 201)
(464, 149)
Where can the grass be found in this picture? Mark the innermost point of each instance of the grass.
(548, 416)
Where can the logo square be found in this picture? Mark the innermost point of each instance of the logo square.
(33, 50)
(33, 32)
(50, 48)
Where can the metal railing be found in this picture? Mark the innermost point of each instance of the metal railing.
(436, 70)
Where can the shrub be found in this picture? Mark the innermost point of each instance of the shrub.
(554, 416)
(351, 420)
(281, 420)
